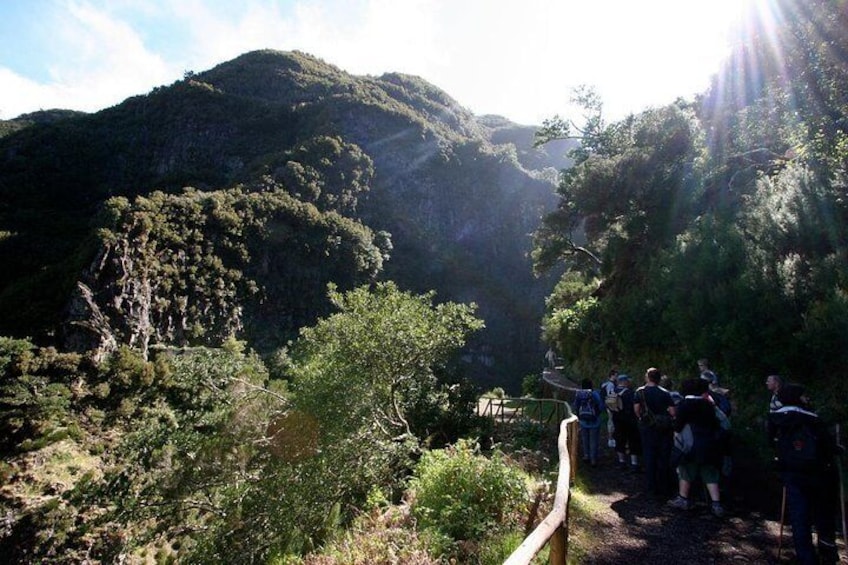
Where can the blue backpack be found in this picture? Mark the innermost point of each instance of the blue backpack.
(587, 409)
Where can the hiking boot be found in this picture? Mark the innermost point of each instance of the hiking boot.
(680, 503)
(717, 509)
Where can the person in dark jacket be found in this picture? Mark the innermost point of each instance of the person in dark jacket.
(627, 439)
(806, 462)
(704, 459)
(655, 409)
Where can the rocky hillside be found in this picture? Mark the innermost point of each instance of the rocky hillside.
(446, 198)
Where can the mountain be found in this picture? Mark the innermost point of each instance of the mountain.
(300, 174)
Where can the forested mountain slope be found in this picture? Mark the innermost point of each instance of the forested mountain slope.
(445, 197)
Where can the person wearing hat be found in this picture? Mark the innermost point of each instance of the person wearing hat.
(806, 462)
(706, 373)
(627, 439)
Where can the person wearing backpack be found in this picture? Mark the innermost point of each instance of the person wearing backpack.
(627, 439)
(588, 407)
(655, 409)
(608, 389)
(806, 462)
(703, 459)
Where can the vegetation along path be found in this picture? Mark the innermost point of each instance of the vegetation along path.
(632, 527)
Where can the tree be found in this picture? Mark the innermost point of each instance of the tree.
(355, 376)
(627, 195)
(364, 366)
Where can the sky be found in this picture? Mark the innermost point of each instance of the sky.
(519, 59)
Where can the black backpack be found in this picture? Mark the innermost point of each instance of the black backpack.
(799, 447)
(651, 420)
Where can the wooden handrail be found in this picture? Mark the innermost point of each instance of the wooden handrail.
(496, 408)
(554, 528)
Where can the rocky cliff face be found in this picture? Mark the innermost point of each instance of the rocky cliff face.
(457, 195)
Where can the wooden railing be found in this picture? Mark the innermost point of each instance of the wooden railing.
(508, 409)
(553, 529)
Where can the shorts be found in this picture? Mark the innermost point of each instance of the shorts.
(708, 474)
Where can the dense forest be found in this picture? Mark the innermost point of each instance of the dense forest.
(217, 293)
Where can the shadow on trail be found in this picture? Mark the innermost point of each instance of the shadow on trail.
(644, 530)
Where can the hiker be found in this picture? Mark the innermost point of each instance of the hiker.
(667, 384)
(719, 397)
(655, 409)
(551, 358)
(806, 462)
(774, 384)
(608, 391)
(705, 455)
(627, 440)
(588, 408)
(706, 373)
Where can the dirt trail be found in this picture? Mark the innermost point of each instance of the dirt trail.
(641, 529)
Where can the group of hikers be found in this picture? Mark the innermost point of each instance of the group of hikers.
(678, 438)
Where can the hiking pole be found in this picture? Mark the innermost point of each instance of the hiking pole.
(782, 517)
(841, 484)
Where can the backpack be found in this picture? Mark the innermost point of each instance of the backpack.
(722, 418)
(613, 400)
(587, 411)
(798, 448)
(721, 402)
(684, 440)
(649, 418)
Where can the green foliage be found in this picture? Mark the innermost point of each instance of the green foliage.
(37, 391)
(369, 363)
(129, 451)
(531, 386)
(497, 547)
(200, 266)
(464, 494)
(526, 434)
(324, 171)
(191, 454)
(359, 378)
(387, 537)
(717, 232)
(625, 198)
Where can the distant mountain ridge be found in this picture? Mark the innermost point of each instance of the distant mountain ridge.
(459, 195)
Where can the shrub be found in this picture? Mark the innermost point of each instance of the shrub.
(464, 494)
(382, 537)
(532, 386)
